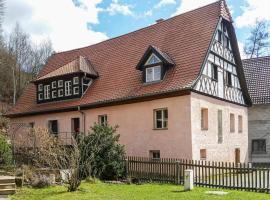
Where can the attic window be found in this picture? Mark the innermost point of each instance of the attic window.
(153, 59)
(153, 74)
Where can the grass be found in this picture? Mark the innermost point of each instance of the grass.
(100, 191)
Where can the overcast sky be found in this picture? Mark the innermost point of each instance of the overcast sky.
(77, 23)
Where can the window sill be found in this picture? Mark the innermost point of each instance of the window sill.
(204, 129)
(159, 129)
(152, 82)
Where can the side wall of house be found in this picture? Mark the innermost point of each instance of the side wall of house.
(136, 125)
(259, 129)
(208, 139)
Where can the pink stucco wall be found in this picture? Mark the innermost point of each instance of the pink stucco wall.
(136, 125)
(208, 139)
(182, 139)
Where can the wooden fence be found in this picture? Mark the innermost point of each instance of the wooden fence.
(208, 174)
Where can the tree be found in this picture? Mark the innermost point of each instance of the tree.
(258, 41)
(5, 151)
(103, 152)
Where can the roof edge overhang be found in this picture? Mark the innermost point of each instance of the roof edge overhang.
(120, 101)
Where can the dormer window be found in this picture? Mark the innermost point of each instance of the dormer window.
(153, 74)
(76, 80)
(47, 92)
(60, 83)
(40, 87)
(153, 59)
(68, 88)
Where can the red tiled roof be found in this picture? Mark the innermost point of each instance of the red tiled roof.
(184, 38)
(257, 73)
(80, 64)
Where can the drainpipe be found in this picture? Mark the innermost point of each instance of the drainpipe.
(83, 118)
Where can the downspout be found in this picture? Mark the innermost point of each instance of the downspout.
(83, 118)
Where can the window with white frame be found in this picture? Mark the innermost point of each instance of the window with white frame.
(76, 90)
(153, 59)
(60, 93)
(40, 87)
(161, 118)
(68, 88)
(102, 119)
(54, 94)
(40, 96)
(76, 80)
(47, 92)
(60, 83)
(53, 84)
(153, 74)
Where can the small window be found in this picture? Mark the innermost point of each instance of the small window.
(47, 92)
(226, 42)
(204, 119)
(102, 119)
(75, 125)
(214, 72)
(60, 83)
(76, 80)
(232, 123)
(54, 94)
(54, 84)
(229, 78)
(68, 88)
(154, 154)
(60, 93)
(32, 124)
(202, 154)
(53, 126)
(40, 96)
(240, 124)
(161, 118)
(153, 74)
(153, 59)
(259, 146)
(219, 36)
(76, 90)
(40, 87)
(220, 129)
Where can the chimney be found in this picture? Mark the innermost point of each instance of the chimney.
(159, 20)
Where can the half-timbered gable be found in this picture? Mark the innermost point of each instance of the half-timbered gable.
(219, 75)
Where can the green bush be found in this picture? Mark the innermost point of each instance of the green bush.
(102, 154)
(5, 151)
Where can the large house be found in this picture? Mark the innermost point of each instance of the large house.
(175, 88)
(257, 71)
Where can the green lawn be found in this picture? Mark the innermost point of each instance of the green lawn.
(100, 191)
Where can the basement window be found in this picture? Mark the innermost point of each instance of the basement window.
(202, 154)
(154, 154)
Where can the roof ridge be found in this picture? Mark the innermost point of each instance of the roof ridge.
(137, 30)
(262, 57)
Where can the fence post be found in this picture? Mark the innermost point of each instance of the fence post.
(126, 163)
(177, 180)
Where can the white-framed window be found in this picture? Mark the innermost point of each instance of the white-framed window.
(54, 94)
(153, 59)
(76, 90)
(40, 96)
(53, 84)
(47, 92)
(60, 93)
(60, 83)
(76, 80)
(68, 88)
(40, 87)
(153, 73)
(102, 119)
(161, 118)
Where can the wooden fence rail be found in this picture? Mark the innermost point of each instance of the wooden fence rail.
(208, 174)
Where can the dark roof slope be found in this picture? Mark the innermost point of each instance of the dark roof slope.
(184, 38)
(257, 73)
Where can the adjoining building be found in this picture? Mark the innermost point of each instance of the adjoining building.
(175, 88)
(257, 72)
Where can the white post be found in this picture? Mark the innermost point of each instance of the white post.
(188, 184)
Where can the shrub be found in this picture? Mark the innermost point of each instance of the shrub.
(5, 151)
(40, 181)
(102, 153)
